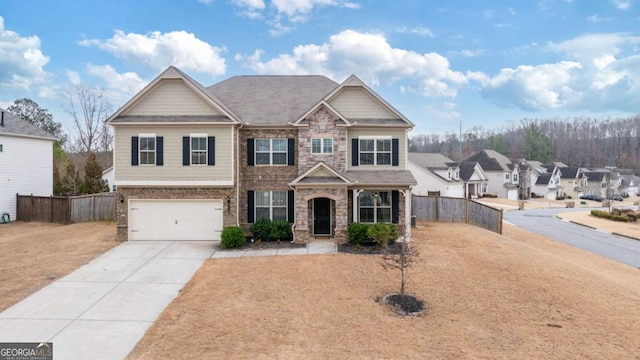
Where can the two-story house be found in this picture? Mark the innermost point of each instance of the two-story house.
(573, 181)
(503, 176)
(26, 161)
(190, 160)
(548, 184)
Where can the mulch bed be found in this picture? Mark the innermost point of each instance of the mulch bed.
(370, 249)
(405, 304)
(267, 245)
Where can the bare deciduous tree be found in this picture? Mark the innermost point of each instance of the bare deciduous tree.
(89, 107)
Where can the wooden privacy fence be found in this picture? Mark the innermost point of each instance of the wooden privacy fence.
(458, 210)
(66, 209)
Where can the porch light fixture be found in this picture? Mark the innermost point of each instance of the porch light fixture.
(228, 203)
(121, 198)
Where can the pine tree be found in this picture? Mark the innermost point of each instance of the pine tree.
(92, 175)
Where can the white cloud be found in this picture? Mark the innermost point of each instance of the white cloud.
(622, 4)
(283, 15)
(597, 19)
(469, 52)
(206, 1)
(418, 30)
(445, 111)
(604, 74)
(128, 83)
(160, 50)
(74, 77)
(511, 11)
(21, 60)
(369, 56)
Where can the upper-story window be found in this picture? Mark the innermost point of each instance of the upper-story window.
(271, 151)
(321, 146)
(515, 178)
(147, 149)
(198, 150)
(506, 176)
(456, 174)
(375, 151)
(449, 174)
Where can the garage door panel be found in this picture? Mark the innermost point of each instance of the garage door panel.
(175, 219)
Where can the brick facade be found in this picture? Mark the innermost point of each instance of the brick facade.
(304, 213)
(122, 209)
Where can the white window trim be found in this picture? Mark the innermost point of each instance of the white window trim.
(155, 145)
(375, 150)
(322, 140)
(375, 207)
(271, 152)
(206, 149)
(271, 206)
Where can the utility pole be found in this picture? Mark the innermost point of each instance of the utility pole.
(460, 139)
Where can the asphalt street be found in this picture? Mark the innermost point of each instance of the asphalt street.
(542, 221)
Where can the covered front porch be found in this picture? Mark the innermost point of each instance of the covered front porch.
(326, 202)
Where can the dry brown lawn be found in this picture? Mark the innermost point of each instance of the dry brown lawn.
(516, 296)
(35, 254)
(630, 229)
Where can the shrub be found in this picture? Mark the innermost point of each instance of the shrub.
(632, 217)
(606, 215)
(261, 229)
(232, 237)
(280, 230)
(383, 234)
(357, 233)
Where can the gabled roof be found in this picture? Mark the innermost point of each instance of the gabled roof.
(543, 179)
(628, 179)
(490, 160)
(434, 161)
(467, 169)
(354, 82)
(333, 177)
(596, 175)
(174, 73)
(569, 172)
(16, 126)
(272, 99)
(315, 108)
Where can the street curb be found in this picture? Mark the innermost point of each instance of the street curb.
(594, 228)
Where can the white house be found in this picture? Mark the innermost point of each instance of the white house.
(26, 161)
(629, 185)
(548, 184)
(109, 176)
(435, 174)
(503, 176)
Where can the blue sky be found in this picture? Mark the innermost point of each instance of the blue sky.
(438, 62)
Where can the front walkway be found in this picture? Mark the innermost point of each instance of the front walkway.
(101, 310)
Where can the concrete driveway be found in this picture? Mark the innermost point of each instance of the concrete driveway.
(103, 309)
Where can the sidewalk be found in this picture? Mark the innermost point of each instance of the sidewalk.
(101, 310)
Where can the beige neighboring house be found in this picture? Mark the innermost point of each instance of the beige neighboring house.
(573, 181)
(597, 183)
(190, 160)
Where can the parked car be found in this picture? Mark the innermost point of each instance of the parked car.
(592, 198)
(617, 198)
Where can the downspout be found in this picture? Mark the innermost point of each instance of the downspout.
(2, 118)
(238, 174)
(293, 226)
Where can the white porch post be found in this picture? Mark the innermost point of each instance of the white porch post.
(407, 214)
(355, 204)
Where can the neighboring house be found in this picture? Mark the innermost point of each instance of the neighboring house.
(502, 174)
(190, 160)
(474, 178)
(548, 184)
(109, 176)
(26, 161)
(597, 183)
(629, 185)
(573, 181)
(436, 174)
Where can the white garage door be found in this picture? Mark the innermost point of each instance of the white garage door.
(512, 194)
(175, 219)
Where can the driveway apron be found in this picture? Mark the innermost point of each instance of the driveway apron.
(101, 310)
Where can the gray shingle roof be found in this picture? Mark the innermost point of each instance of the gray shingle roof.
(467, 168)
(569, 172)
(543, 179)
(14, 125)
(433, 161)
(271, 100)
(381, 177)
(490, 160)
(595, 175)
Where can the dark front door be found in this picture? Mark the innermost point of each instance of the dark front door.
(322, 216)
